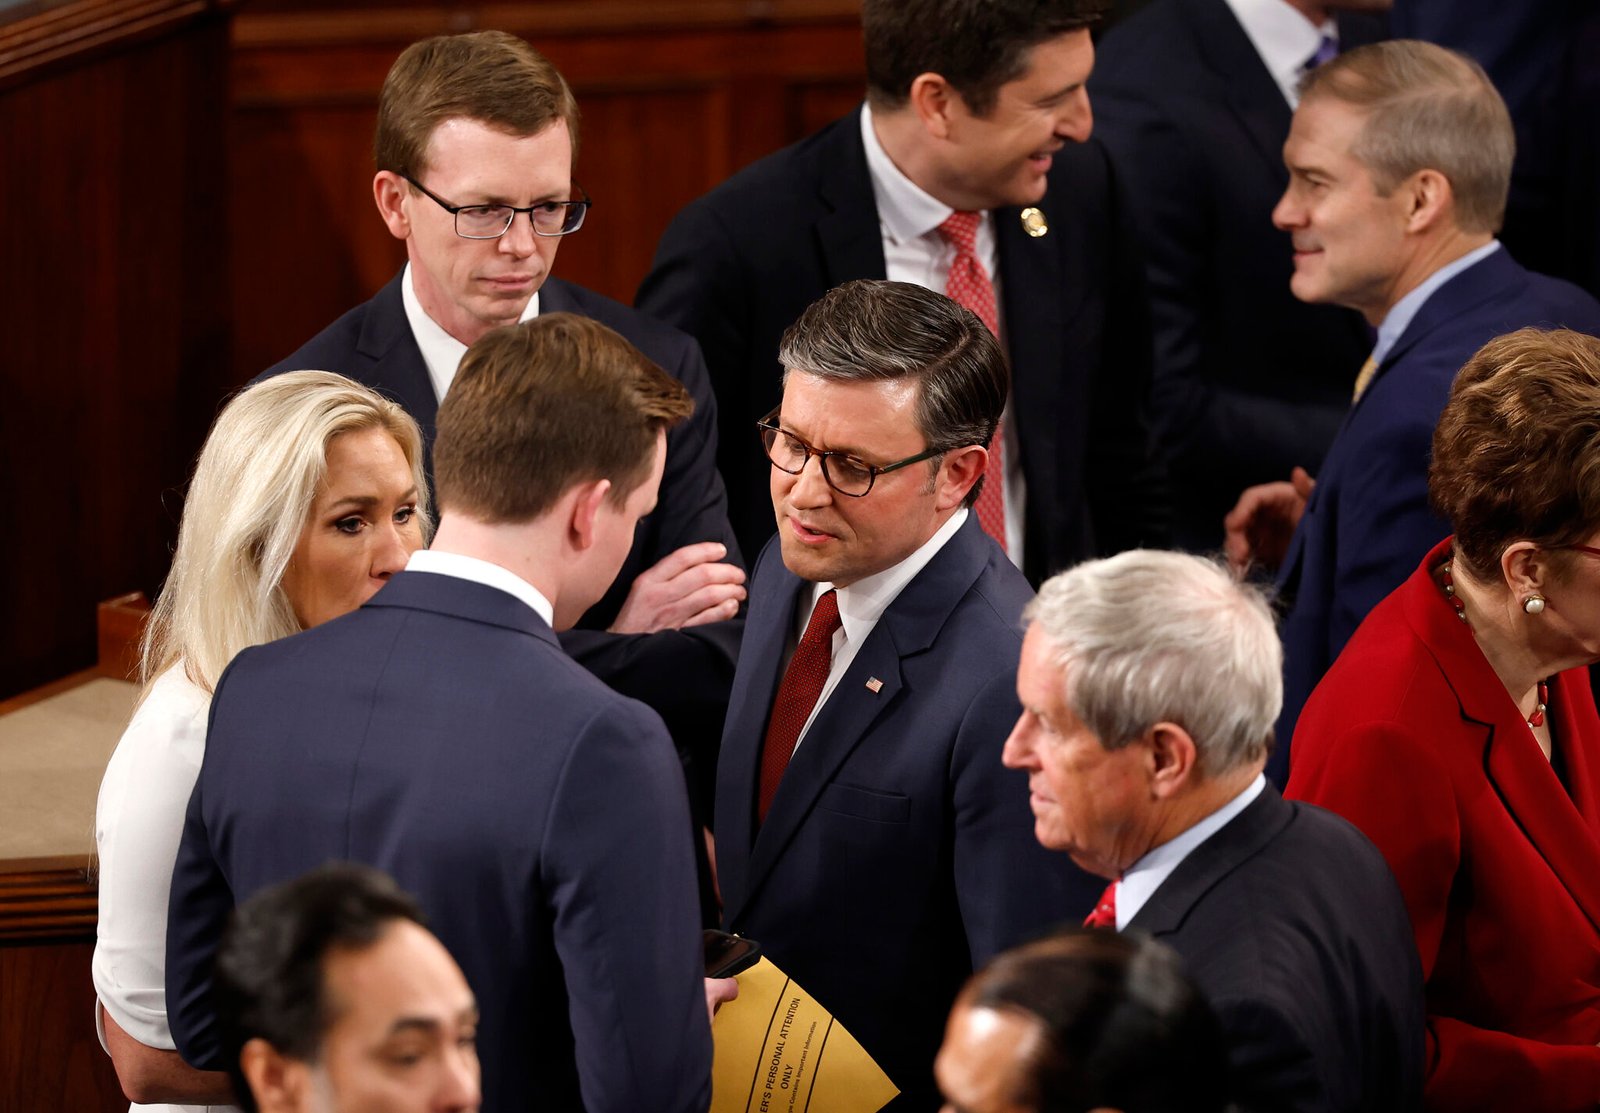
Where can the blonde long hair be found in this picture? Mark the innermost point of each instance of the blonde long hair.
(251, 495)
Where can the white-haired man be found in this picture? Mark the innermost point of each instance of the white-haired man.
(1149, 684)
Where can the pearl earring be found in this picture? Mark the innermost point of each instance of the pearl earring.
(1533, 604)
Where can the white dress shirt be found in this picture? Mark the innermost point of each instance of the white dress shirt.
(860, 606)
(914, 251)
(138, 822)
(482, 572)
(1141, 880)
(441, 351)
(1283, 38)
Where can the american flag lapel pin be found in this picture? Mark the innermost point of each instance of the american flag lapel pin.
(874, 685)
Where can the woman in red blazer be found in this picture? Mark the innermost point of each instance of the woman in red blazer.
(1458, 731)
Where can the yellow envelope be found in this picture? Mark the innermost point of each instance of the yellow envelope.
(778, 1051)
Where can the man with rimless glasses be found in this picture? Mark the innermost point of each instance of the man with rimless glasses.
(867, 833)
(475, 142)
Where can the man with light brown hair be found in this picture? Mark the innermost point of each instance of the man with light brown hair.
(1399, 163)
(440, 734)
(474, 150)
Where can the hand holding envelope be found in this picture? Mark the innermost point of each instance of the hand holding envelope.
(778, 1051)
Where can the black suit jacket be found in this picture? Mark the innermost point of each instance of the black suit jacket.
(683, 674)
(1249, 380)
(1294, 928)
(440, 734)
(739, 265)
(899, 853)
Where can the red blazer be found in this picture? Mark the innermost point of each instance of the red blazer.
(1412, 737)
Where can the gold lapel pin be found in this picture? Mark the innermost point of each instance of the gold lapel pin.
(1034, 223)
(874, 685)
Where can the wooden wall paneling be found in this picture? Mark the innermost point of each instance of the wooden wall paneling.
(114, 342)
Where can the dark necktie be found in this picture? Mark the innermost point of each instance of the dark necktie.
(968, 285)
(797, 695)
(1327, 50)
(1105, 910)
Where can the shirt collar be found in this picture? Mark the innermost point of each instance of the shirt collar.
(1141, 880)
(440, 351)
(482, 572)
(863, 602)
(1398, 319)
(905, 210)
(1283, 38)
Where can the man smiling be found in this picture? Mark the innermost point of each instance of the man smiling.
(1399, 162)
(969, 170)
(867, 833)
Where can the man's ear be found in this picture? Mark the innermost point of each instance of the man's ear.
(934, 101)
(1429, 199)
(959, 470)
(1174, 758)
(278, 1082)
(389, 191)
(588, 499)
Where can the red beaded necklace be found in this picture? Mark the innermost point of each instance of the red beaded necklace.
(1542, 700)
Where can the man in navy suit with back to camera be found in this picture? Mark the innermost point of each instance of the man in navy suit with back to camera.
(867, 833)
(1149, 682)
(475, 143)
(441, 734)
(969, 170)
(1399, 162)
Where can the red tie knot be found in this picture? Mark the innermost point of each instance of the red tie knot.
(824, 622)
(961, 230)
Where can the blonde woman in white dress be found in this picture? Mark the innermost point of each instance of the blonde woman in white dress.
(308, 495)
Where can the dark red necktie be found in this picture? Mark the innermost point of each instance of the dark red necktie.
(968, 285)
(1105, 910)
(797, 695)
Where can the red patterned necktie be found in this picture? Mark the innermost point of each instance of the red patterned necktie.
(968, 284)
(1105, 910)
(797, 695)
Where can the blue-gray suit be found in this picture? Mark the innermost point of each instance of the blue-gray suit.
(441, 734)
(898, 853)
(1368, 522)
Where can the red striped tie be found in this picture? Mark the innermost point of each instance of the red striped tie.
(968, 284)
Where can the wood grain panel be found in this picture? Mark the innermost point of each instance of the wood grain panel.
(50, 1058)
(113, 352)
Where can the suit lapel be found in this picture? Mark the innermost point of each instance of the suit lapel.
(396, 365)
(908, 627)
(1240, 839)
(1522, 778)
(766, 636)
(1252, 95)
(848, 237)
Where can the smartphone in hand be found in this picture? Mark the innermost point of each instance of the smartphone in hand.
(727, 955)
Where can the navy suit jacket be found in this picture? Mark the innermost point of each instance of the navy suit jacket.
(1293, 927)
(1249, 380)
(899, 853)
(1368, 522)
(440, 734)
(738, 266)
(683, 674)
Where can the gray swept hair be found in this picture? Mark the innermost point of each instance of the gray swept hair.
(1147, 636)
(252, 491)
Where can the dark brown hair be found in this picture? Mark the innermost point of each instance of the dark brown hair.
(975, 45)
(1516, 454)
(539, 406)
(488, 76)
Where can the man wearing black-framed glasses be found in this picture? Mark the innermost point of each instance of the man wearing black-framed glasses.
(474, 148)
(875, 687)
